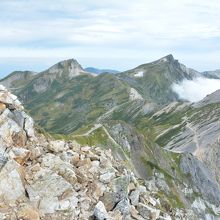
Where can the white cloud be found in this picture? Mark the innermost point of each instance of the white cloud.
(197, 89)
(140, 28)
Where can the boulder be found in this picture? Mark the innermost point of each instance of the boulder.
(20, 155)
(107, 177)
(28, 213)
(11, 182)
(57, 146)
(51, 192)
(100, 212)
(147, 212)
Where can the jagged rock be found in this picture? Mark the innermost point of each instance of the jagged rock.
(48, 191)
(147, 212)
(29, 126)
(57, 146)
(20, 155)
(165, 217)
(120, 186)
(134, 196)
(110, 199)
(123, 206)
(2, 107)
(134, 213)
(28, 213)
(10, 100)
(107, 177)
(100, 212)
(11, 182)
(3, 160)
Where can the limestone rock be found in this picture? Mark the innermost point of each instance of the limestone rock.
(48, 191)
(57, 146)
(147, 212)
(100, 212)
(20, 155)
(28, 213)
(11, 182)
(107, 177)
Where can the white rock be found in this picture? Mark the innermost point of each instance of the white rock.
(100, 212)
(57, 146)
(147, 212)
(46, 190)
(135, 95)
(11, 185)
(107, 177)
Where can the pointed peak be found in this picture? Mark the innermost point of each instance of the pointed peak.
(167, 58)
(69, 62)
(70, 68)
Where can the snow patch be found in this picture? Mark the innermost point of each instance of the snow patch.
(164, 59)
(139, 74)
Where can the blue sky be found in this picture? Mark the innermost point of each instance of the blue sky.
(108, 34)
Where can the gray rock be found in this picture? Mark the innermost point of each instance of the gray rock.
(110, 199)
(100, 212)
(201, 178)
(11, 182)
(123, 206)
(134, 196)
(120, 186)
(147, 212)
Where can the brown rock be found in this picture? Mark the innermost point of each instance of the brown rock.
(2, 107)
(19, 139)
(20, 155)
(28, 213)
(75, 158)
(109, 199)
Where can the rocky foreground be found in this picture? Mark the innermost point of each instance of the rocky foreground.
(41, 178)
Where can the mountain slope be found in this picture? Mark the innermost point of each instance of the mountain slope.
(153, 80)
(67, 96)
(138, 116)
(212, 74)
(18, 79)
(64, 180)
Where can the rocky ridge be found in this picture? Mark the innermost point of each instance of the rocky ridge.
(41, 178)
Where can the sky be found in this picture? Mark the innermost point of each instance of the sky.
(108, 33)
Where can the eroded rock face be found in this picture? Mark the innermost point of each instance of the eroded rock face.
(47, 179)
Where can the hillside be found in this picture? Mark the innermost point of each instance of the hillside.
(64, 180)
(169, 144)
(67, 96)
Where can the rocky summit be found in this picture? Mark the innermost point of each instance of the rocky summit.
(42, 178)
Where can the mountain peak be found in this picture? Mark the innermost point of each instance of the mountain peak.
(167, 58)
(70, 67)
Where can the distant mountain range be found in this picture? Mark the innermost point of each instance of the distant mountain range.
(99, 71)
(138, 115)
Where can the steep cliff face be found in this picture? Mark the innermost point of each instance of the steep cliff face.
(41, 178)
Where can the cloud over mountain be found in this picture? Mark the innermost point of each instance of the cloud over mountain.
(197, 89)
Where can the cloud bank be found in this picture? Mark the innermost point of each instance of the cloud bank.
(197, 89)
(111, 30)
